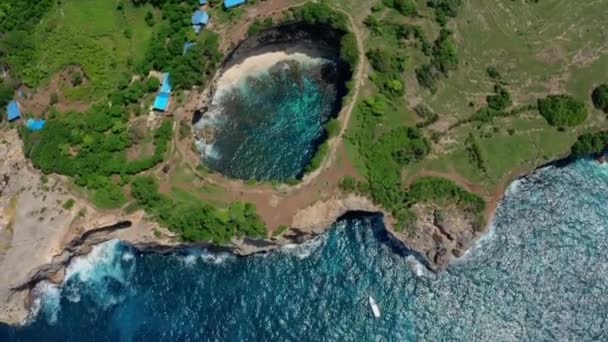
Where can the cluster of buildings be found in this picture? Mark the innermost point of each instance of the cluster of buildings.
(200, 19)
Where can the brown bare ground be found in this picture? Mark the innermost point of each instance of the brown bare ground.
(39, 101)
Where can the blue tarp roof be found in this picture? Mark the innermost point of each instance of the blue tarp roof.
(200, 18)
(12, 111)
(202, 2)
(166, 84)
(187, 45)
(233, 3)
(35, 124)
(161, 102)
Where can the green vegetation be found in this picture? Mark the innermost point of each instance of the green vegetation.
(590, 144)
(501, 100)
(69, 204)
(562, 110)
(405, 7)
(475, 154)
(91, 147)
(333, 127)
(280, 230)
(444, 191)
(165, 50)
(444, 9)
(197, 221)
(321, 14)
(443, 60)
(318, 157)
(41, 38)
(260, 25)
(599, 97)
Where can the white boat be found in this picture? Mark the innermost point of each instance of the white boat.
(375, 308)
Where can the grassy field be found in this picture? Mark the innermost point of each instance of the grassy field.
(548, 47)
(104, 41)
(551, 47)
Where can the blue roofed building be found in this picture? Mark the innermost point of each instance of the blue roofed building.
(161, 102)
(202, 2)
(233, 3)
(12, 111)
(166, 84)
(187, 46)
(35, 124)
(200, 18)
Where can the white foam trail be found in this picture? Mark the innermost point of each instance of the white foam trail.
(513, 188)
(304, 250)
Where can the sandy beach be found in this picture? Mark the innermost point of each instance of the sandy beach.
(258, 63)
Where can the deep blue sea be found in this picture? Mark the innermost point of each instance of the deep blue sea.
(269, 124)
(539, 274)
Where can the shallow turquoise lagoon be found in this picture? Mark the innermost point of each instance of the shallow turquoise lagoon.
(269, 124)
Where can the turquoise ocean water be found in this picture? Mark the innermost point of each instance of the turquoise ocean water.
(539, 274)
(269, 124)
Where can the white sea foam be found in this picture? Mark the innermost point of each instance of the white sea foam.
(47, 301)
(99, 263)
(513, 188)
(416, 267)
(304, 250)
(216, 258)
(260, 63)
(480, 245)
(189, 260)
(128, 256)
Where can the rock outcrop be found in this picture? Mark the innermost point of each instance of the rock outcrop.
(440, 233)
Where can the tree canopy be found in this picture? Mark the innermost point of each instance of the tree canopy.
(562, 110)
(600, 97)
(198, 221)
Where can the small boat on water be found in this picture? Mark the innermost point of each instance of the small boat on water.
(374, 306)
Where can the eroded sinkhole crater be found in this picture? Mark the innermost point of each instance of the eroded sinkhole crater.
(266, 118)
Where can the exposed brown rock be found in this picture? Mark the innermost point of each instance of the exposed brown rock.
(440, 233)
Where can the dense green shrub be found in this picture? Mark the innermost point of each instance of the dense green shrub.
(444, 9)
(501, 100)
(562, 110)
(197, 221)
(443, 60)
(430, 189)
(260, 25)
(320, 13)
(333, 127)
(318, 157)
(475, 154)
(600, 97)
(590, 144)
(405, 7)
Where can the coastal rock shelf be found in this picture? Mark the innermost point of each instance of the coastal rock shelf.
(266, 117)
(120, 292)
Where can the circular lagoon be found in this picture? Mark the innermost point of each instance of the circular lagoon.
(266, 118)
